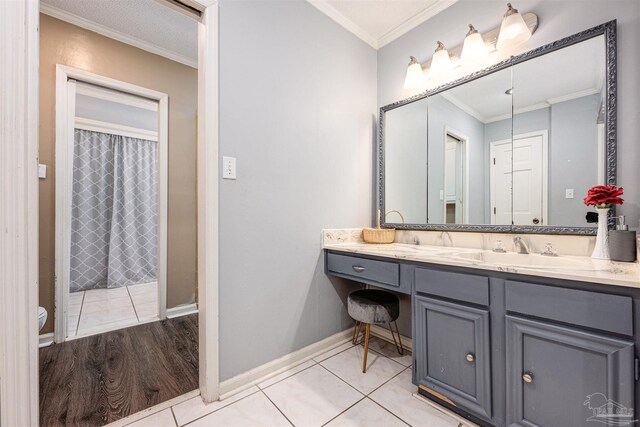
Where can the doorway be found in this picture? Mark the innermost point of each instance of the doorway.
(519, 179)
(456, 184)
(111, 204)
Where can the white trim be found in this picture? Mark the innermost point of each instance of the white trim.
(81, 22)
(281, 364)
(464, 139)
(154, 409)
(117, 97)
(19, 55)
(182, 310)
(115, 129)
(415, 21)
(45, 340)
(345, 22)
(65, 110)
(574, 95)
(385, 334)
(463, 106)
(208, 203)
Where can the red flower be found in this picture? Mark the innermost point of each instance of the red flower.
(604, 195)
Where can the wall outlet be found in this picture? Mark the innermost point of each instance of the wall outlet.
(568, 193)
(228, 167)
(42, 171)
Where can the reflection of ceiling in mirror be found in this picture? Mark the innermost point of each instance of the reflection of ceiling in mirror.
(146, 21)
(566, 74)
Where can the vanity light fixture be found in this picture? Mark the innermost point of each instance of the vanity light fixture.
(415, 77)
(514, 29)
(440, 61)
(473, 49)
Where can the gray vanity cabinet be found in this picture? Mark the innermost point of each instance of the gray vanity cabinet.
(558, 375)
(453, 343)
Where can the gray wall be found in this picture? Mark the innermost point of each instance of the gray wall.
(557, 19)
(298, 110)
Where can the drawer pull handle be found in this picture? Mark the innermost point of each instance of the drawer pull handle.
(470, 358)
(358, 268)
(527, 378)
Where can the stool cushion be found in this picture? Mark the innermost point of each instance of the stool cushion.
(373, 306)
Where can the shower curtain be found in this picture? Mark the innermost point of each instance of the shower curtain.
(113, 212)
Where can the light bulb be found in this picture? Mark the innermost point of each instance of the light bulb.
(473, 49)
(513, 30)
(415, 77)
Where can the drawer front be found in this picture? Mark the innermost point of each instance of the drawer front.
(457, 286)
(612, 313)
(368, 270)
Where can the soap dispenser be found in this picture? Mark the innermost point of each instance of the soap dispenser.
(622, 242)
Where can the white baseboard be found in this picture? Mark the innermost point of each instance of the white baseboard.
(181, 310)
(275, 367)
(383, 333)
(45, 340)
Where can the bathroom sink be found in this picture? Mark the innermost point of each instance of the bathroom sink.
(526, 260)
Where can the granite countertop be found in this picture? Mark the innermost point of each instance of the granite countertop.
(578, 268)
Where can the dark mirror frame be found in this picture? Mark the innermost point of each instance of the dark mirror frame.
(607, 29)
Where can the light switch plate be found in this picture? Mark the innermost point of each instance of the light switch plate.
(228, 167)
(42, 171)
(568, 193)
(441, 194)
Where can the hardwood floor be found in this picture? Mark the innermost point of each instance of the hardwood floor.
(96, 380)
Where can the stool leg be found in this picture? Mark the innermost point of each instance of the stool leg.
(366, 347)
(356, 332)
(399, 342)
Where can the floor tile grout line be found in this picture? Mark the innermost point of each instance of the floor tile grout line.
(395, 415)
(285, 378)
(335, 375)
(279, 410)
(384, 383)
(216, 410)
(175, 420)
(345, 410)
(84, 294)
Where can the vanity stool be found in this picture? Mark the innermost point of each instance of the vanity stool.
(373, 307)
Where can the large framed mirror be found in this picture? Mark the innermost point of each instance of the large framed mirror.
(511, 148)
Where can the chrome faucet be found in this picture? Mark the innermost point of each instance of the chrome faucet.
(520, 245)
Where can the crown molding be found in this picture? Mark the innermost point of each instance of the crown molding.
(390, 36)
(345, 22)
(116, 35)
(414, 21)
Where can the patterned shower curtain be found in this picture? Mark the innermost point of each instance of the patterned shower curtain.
(114, 211)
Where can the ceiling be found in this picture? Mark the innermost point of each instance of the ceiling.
(569, 73)
(146, 24)
(379, 22)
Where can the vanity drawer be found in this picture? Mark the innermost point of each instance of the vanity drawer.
(368, 270)
(457, 286)
(606, 312)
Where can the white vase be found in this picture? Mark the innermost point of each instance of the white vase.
(601, 251)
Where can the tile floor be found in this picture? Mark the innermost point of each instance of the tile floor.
(329, 390)
(100, 310)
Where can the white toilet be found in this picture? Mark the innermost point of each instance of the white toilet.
(42, 316)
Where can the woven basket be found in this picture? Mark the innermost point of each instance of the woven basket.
(379, 235)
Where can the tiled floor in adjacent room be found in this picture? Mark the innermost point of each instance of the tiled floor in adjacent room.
(329, 390)
(99, 310)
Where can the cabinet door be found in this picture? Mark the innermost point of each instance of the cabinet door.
(452, 353)
(560, 376)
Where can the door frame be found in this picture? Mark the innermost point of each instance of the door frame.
(544, 133)
(65, 124)
(19, 52)
(464, 140)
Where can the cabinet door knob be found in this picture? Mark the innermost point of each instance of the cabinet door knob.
(358, 268)
(470, 357)
(527, 378)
